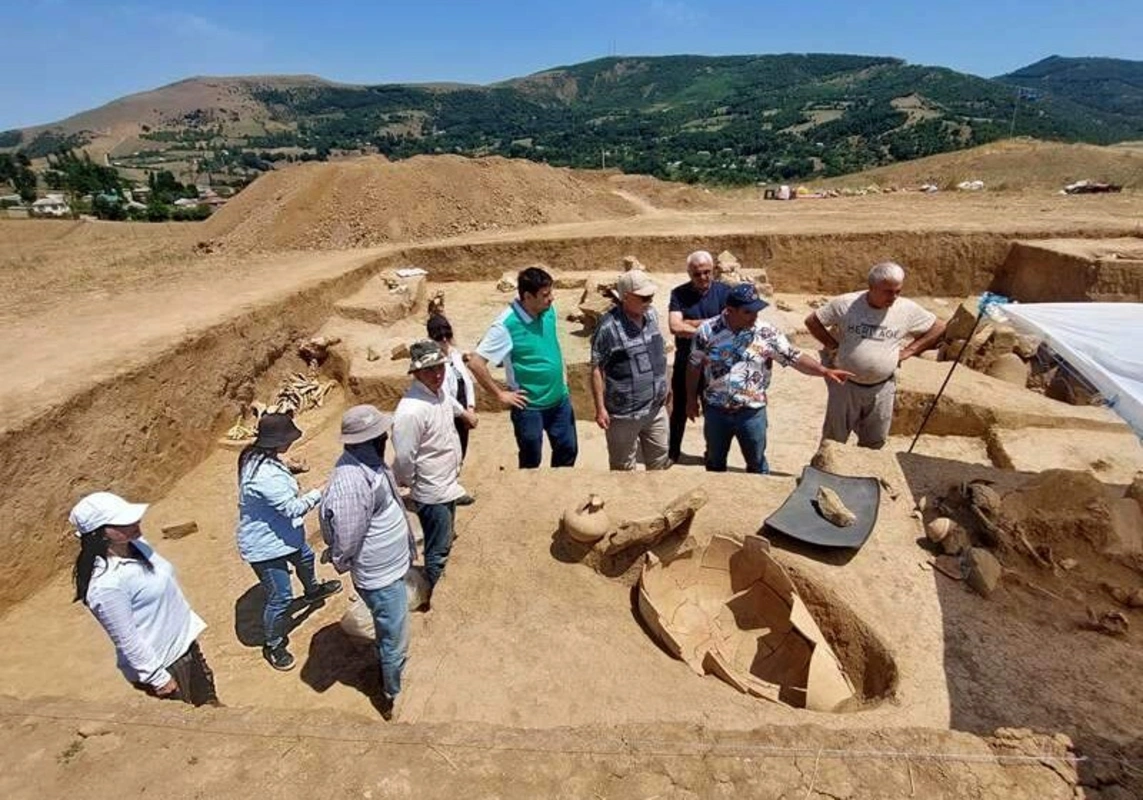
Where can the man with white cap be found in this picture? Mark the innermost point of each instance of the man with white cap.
(131, 590)
(364, 524)
(629, 376)
(426, 454)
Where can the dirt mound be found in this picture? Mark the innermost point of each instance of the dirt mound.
(1011, 164)
(1062, 510)
(370, 201)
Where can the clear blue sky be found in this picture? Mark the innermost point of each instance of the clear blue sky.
(59, 57)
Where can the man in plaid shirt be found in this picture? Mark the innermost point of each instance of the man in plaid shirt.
(364, 524)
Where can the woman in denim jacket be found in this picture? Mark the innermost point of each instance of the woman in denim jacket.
(271, 535)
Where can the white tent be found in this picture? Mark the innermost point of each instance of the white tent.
(1101, 341)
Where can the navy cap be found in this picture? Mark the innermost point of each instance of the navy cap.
(745, 296)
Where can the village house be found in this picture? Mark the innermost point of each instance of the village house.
(53, 205)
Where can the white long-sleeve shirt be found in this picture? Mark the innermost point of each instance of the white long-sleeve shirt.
(426, 447)
(144, 612)
(457, 375)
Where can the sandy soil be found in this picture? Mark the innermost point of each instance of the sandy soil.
(525, 657)
(231, 752)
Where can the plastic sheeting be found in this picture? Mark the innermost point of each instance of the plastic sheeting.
(1101, 341)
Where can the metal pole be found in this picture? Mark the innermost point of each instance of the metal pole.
(937, 396)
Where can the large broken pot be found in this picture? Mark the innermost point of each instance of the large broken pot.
(731, 610)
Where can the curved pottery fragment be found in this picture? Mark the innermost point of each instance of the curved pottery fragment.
(732, 611)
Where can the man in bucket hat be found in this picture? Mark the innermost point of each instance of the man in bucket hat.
(364, 524)
(426, 454)
(734, 352)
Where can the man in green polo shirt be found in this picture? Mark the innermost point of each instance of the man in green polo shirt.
(523, 338)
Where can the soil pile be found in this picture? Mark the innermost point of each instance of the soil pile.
(1011, 164)
(1065, 511)
(1060, 529)
(370, 201)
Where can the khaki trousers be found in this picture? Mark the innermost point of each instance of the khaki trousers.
(626, 436)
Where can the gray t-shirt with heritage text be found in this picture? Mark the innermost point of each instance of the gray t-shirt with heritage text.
(869, 339)
(633, 360)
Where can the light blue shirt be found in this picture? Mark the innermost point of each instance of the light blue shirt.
(270, 511)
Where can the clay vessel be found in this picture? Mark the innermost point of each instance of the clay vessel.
(586, 522)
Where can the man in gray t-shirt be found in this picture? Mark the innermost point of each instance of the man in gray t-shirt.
(869, 333)
(629, 377)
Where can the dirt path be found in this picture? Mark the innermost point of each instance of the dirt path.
(640, 204)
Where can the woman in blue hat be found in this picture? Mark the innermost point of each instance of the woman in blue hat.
(271, 534)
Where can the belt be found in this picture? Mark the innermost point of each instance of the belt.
(873, 385)
(735, 409)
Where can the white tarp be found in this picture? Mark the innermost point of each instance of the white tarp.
(1101, 341)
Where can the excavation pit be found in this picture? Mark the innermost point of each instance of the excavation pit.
(518, 639)
(731, 610)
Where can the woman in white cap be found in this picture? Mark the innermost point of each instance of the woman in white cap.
(364, 523)
(133, 593)
(271, 535)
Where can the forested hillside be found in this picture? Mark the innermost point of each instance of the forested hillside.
(732, 119)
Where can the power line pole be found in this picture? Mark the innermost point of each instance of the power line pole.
(1015, 107)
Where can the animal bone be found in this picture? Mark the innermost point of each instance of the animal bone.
(833, 509)
(648, 531)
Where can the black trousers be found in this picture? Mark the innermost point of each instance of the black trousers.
(462, 431)
(194, 677)
(679, 408)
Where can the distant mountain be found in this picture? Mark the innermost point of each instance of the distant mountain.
(1108, 86)
(727, 119)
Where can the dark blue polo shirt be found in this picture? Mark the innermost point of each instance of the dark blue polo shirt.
(686, 298)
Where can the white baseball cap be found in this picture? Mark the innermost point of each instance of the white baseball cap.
(104, 508)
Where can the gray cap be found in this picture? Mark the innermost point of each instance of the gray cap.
(636, 282)
(364, 423)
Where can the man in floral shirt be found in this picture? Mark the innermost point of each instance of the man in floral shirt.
(735, 352)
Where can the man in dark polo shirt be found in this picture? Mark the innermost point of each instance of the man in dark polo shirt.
(698, 299)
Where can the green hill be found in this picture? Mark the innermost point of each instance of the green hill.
(727, 119)
(1107, 86)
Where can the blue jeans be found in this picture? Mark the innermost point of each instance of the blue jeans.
(558, 421)
(275, 577)
(436, 523)
(389, 606)
(721, 426)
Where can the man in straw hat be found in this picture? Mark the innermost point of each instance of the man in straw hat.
(427, 453)
(364, 524)
(629, 376)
